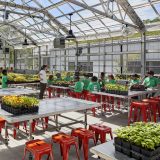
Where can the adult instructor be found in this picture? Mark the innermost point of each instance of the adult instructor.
(43, 81)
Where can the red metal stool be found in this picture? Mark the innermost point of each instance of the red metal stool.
(2, 123)
(83, 136)
(49, 90)
(157, 99)
(38, 148)
(154, 107)
(93, 98)
(77, 95)
(134, 107)
(101, 130)
(84, 94)
(65, 142)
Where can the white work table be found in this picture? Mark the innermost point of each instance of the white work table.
(16, 91)
(107, 151)
(50, 107)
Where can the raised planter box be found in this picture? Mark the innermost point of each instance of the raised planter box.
(19, 111)
(136, 152)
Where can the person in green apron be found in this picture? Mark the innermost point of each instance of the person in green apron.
(59, 78)
(4, 79)
(94, 85)
(102, 80)
(134, 80)
(86, 82)
(111, 79)
(68, 77)
(151, 81)
(78, 85)
(50, 80)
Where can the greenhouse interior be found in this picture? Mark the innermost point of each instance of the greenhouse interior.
(80, 79)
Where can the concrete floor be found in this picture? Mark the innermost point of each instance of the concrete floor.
(14, 151)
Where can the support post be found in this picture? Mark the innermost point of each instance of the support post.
(88, 58)
(143, 55)
(39, 56)
(121, 58)
(76, 61)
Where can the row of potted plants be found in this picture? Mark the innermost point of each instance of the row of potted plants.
(20, 104)
(116, 89)
(141, 141)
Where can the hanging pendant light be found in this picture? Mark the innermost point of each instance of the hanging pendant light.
(70, 36)
(25, 43)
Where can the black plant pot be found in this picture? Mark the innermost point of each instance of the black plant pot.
(118, 144)
(126, 148)
(118, 141)
(19, 111)
(148, 153)
(136, 151)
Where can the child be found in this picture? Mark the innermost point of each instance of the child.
(94, 85)
(50, 80)
(58, 75)
(4, 79)
(111, 79)
(78, 85)
(102, 80)
(134, 80)
(86, 82)
(68, 78)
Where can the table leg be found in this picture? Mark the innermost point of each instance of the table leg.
(6, 134)
(101, 99)
(85, 119)
(30, 130)
(30, 137)
(129, 102)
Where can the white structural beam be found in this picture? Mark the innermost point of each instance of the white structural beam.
(132, 14)
(45, 12)
(101, 13)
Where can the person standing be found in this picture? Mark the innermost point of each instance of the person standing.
(4, 79)
(43, 81)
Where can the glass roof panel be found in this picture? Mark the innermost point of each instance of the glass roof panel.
(90, 3)
(146, 13)
(137, 2)
(55, 12)
(66, 8)
(157, 6)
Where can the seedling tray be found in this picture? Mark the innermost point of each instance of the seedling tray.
(19, 111)
(136, 151)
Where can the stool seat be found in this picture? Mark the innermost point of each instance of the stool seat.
(101, 130)
(139, 104)
(38, 148)
(83, 136)
(65, 142)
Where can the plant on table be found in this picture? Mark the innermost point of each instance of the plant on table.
(145, 135)
(20, 101)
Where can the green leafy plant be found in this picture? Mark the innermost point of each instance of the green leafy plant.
(146, 135)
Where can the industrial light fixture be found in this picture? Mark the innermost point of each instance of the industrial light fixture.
(127, 31)
(25, 43)
(70, 36)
